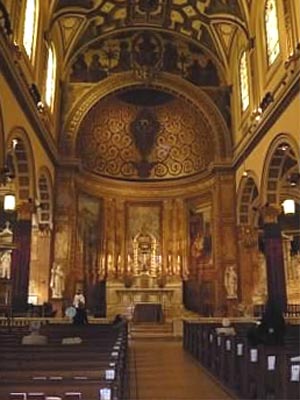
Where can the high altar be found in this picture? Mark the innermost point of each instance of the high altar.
(145, 280)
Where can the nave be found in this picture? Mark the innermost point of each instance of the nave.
(160, 369)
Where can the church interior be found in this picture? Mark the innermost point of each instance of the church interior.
(150, 163)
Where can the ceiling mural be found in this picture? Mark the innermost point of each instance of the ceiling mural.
(128, 136)
(146, 54)
(196, 20)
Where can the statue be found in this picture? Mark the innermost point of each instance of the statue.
(5, 264)
(260, 279)
(57, 282)
(230, 282)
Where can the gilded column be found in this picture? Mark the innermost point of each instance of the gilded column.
(225, 240)
(64, 247)
(167, 237)
(248, 257)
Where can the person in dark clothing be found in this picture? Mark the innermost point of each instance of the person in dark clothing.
(271, 329)
(81, 315)
(118, 321)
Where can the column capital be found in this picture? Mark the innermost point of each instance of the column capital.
(270, 213)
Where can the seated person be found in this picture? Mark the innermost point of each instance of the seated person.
(271, 329)
(226, 329)
(118, 321)
(34, 337)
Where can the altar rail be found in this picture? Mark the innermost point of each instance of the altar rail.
(252, 372)
(292, 310)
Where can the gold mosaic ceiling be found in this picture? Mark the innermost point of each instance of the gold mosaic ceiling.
(209, 24)
(124, 136)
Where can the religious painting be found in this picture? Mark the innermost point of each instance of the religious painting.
(146, 54)
(143, 238)
(88, 240)
(201, 257)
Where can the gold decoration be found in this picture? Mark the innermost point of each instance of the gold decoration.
(270, 213)
(248, 236)
(182, 146)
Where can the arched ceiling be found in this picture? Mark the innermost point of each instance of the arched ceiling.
(208, 25)
(145, 134)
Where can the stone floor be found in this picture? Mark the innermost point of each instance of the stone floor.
(161, 370)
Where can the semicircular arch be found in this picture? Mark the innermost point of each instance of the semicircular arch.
(24, 164)
(247, 199)
(283, 154)
(166, 82)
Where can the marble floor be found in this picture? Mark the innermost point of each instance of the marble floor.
(161, 370)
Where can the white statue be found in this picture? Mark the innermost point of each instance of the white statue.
(231, 282)
(57, 282)
(5, 264)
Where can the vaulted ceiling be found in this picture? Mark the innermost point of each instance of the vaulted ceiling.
(152, 43)
(206, 26)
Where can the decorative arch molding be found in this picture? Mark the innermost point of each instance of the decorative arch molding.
(166, 82)
(274, 162)
(24, 164)
(45, 197)
(248, 197)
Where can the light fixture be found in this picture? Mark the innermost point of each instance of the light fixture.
(245, 172)
(9, 202)
(257, 114)
(289, 206)
(284, 147)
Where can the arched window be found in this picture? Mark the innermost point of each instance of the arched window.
(50, 77)
(272, 31)
(244, 81)
(30, 26)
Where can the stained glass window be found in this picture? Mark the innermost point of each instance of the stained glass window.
(244, 81)
(272, 31)
(29, 27)
(50, 77)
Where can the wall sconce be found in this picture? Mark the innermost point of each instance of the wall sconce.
(256, 114)
(9, 202)
(289, 206)
(284, 147)
(294, 179)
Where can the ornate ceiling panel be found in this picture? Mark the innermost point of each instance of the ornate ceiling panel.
(145, 52)
(164, 139)
(194, 20)
(69, 28)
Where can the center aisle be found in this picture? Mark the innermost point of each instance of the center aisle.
(161, 370)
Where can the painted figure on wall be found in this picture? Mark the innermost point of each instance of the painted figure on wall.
(57, 282)
(88, 243)
(200, 241)
(5, 264)
(260, 280)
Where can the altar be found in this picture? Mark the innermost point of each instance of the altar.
(122, 300)
(145, 276)
(148, 312)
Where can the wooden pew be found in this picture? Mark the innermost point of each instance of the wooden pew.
(93, 357)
